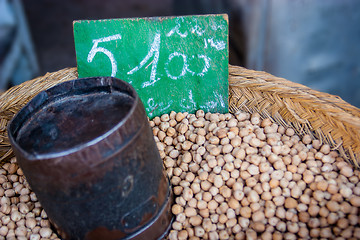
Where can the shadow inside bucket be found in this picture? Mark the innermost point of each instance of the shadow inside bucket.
(72, 121)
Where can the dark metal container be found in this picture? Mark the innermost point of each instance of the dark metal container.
(88, 153)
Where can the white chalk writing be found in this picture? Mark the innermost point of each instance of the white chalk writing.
(95, 49)
(154, 50)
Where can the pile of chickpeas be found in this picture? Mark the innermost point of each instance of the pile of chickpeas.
(234, 176)
(241, 177)
(21, 214)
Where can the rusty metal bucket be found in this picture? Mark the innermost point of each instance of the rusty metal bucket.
(88, 153)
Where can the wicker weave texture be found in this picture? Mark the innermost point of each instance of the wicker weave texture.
(325, 117)
(16, 97)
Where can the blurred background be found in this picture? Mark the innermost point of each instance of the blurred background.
(312, 42)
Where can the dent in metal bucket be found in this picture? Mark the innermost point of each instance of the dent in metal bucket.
(88, 153)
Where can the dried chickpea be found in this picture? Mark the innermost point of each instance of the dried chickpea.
(234, 176)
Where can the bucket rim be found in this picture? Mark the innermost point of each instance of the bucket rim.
(47, 96)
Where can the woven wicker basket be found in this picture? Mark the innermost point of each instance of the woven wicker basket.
(325, 117)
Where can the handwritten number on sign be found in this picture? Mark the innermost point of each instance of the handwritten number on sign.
(154, 50)
(154, 53)
(95, 49)
(183, 70)
(185, 67)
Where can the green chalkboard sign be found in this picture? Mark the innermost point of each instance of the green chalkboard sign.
(174, 63)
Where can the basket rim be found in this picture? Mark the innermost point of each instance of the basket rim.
(323, 116)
